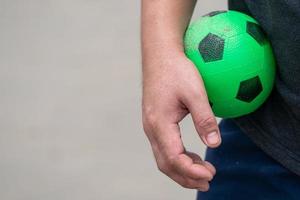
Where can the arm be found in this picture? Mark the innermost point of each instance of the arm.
(172, 88)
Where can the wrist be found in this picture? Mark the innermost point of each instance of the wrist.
(163, 51)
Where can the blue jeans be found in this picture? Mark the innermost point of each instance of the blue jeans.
(244, 172)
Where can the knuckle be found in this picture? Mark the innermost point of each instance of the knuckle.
(188, 184)
(195, 92)
(150, 119)
(163, 168)
(185, 185)
(171, 162)
(167, 165)
(207, 122)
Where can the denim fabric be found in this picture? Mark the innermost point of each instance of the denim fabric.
(245, 172)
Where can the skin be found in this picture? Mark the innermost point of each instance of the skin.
(172, 89)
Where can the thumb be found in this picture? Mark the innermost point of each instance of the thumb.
(204, 120)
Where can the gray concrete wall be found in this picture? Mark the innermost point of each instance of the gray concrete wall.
(70, 90)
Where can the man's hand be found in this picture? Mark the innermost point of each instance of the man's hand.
(168, 96)
(173, 88)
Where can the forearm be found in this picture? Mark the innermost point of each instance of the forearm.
(163, 26)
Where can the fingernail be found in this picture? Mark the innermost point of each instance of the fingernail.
(212, 138)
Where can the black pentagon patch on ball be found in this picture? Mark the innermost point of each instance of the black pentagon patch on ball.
(249, 89)
(213, 13)
(255, 31)
(211, 48)
(210, 103)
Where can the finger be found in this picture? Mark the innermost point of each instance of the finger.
(197, 159)
(169, 143)
(185, 166)
(177, 161)
(204, 188)
(204, 119)
(170, 153)
(166, 145)
(210, 167)
(201, 185)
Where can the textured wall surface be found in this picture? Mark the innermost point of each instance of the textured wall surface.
(70, 119)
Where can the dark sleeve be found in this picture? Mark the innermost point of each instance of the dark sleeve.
(238, 5)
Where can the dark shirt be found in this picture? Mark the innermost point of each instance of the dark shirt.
(275, 126)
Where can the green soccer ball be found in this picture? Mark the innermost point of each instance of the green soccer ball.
(235, 60)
